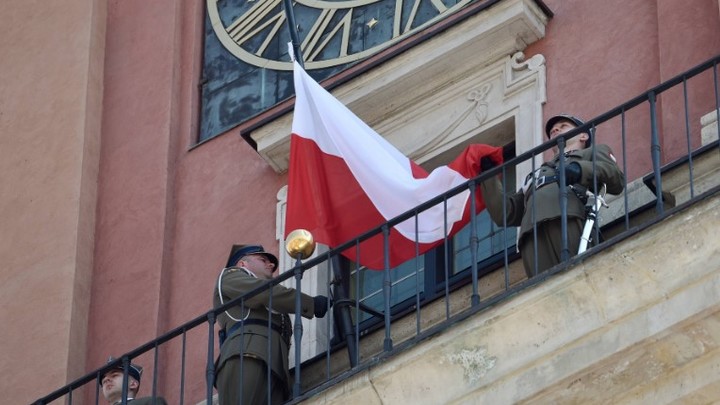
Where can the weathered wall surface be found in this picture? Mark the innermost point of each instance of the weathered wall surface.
(637, 323)
(51, 82)
(602, 54)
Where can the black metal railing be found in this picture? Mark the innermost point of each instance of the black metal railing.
(640, 115)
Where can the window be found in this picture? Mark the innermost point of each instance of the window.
(246, 66)
(426, 276)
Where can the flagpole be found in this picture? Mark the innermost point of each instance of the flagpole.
(341, 294)
(294, 37)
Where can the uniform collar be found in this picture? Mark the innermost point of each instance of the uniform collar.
(243, 269)
(574, 152)
(247, 271)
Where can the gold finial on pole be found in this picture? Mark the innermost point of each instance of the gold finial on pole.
(300, 242)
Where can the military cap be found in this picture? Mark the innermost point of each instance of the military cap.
(239, 251)
(134, 370)
(575, 120)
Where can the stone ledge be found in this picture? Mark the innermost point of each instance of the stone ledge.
(709, 131)
(676, 190)
(641, 293)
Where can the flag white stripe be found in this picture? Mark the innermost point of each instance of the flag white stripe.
(381, 170)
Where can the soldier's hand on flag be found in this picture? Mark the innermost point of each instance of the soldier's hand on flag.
(487, 163)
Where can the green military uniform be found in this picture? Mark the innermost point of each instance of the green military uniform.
(546, 200)
(249, 345)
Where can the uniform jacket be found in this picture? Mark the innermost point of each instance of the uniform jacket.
(547, 198)
(252, 340)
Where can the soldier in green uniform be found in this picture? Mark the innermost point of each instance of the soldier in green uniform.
(545, 195)
(241, 369)
(112, 383)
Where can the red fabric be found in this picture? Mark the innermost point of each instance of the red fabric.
(325, 199)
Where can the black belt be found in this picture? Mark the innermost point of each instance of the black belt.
(262, 322)
(545, 180)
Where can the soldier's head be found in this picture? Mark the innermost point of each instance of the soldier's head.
(253, 258)
(112, 381)
(562, 123)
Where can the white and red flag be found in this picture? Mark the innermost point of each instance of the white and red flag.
(344, 180)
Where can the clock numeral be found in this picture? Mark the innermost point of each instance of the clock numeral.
(310, 45)
(328, 42)
(248, 25)
(438, 4)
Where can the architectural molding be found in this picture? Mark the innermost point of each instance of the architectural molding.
(497, 104)
(415, 78)
(709, 124)
(314, 282)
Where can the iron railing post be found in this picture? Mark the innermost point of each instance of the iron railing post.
(298, 329)
(387, 287)
(210, 363)
(475, 298)
(126, 380)
(688, 140)
(533, 216)
(655, 153)
(182, 368)
(565, 250)
(506, 259)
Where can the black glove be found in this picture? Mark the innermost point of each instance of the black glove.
(321, 305)
(573, 173)
(486, 163)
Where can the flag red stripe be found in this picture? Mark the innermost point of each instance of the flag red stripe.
(325, 199)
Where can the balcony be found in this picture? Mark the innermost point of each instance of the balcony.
(633, 319)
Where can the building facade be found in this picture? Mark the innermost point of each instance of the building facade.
(117, 219)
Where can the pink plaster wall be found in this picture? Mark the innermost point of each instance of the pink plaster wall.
(600, 54)
(167, 215)
(137, 173)
(50, 102)
(690, 35)
(226, 195)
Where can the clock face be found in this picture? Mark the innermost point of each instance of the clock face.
(246, 66)
(332, 33)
